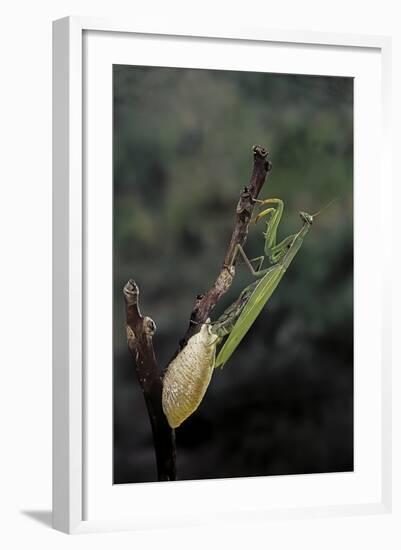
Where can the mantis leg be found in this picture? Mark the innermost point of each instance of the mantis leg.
(279, 251)
(256, 273)
(274, 251)
(262, 214)
(259, 259)
(225, 323)
(272, 224)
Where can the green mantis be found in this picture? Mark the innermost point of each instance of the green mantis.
(188, 375)
(258, 293)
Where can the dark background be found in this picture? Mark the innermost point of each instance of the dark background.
(182, 152)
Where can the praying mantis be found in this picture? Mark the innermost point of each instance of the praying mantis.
(188, 375)
(280, 257)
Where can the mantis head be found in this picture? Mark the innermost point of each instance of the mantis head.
(307, 218)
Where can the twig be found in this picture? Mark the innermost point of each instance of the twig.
(206, 302)
(140, 331)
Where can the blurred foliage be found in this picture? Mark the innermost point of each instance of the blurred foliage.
(182, 153)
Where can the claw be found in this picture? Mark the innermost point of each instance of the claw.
(262, 214)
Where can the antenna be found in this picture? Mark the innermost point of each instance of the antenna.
(324, 207)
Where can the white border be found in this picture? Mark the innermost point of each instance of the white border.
(104, 500)
(68, 371)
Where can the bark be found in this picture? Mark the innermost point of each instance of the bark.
(140, 330)
(205, 303)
